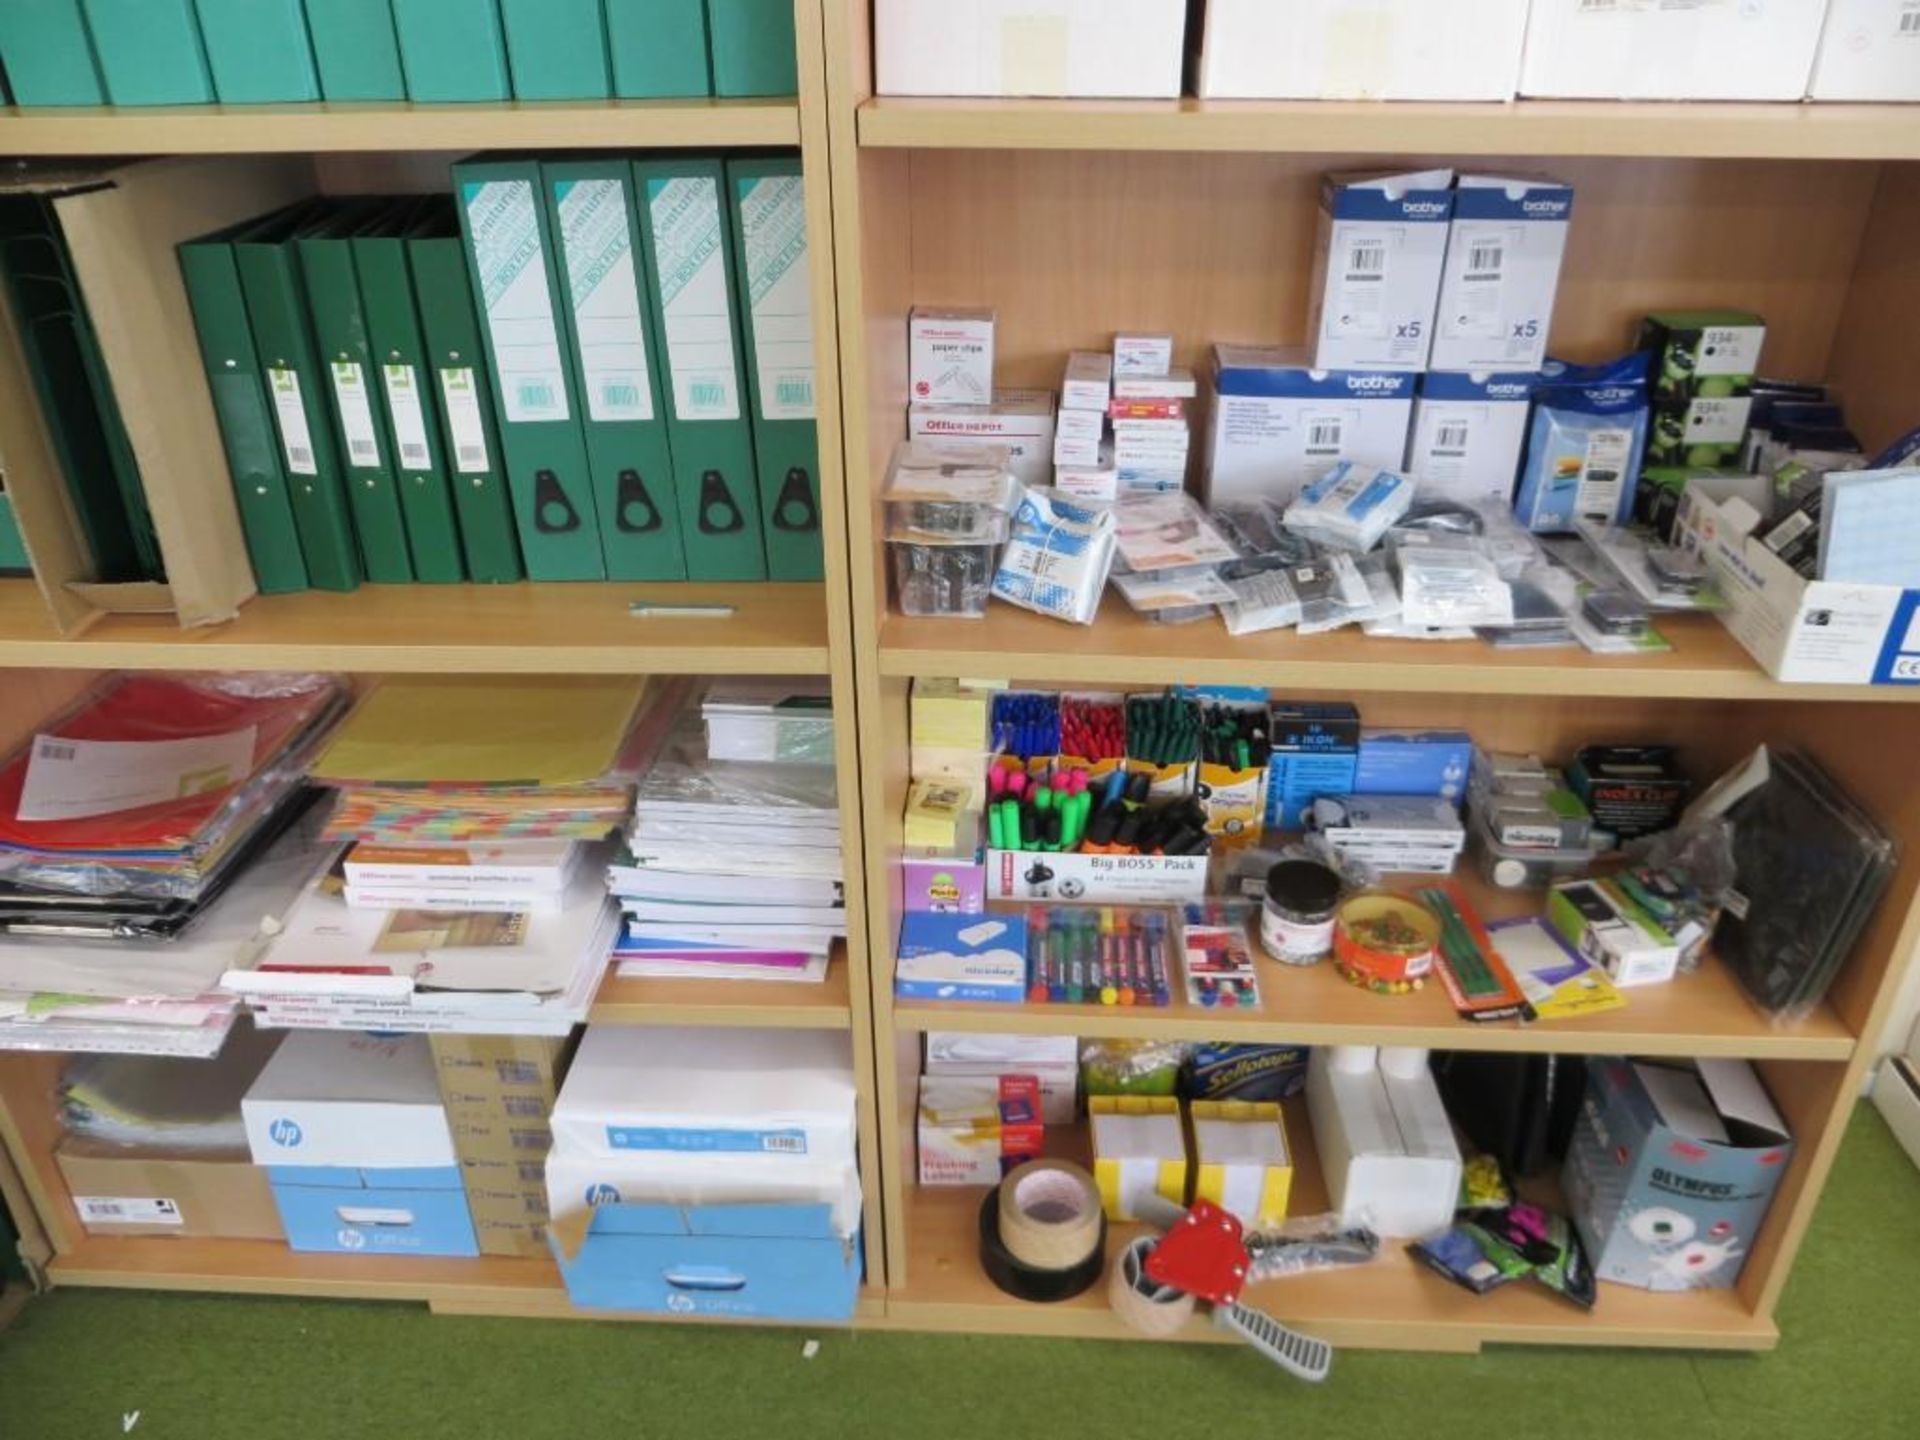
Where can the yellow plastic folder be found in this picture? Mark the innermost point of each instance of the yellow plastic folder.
(430, 731)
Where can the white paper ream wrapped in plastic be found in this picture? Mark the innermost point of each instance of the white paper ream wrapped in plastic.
(1056, 561)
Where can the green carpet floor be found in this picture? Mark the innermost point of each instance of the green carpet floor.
(251, 1369)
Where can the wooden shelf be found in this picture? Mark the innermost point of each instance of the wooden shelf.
(450, 629)
(1522, 128)
(765, 1004)
(516, 125)
(1706, 663)
(1392, 1302)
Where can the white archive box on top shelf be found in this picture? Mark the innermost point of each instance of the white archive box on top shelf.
(1870, 50)
(1096, 49)
(1663, 50)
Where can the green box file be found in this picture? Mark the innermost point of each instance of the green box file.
(258, 50)
(452, 50)
(659, 48)
(753, 47)
(360, 433)
(690, 290)
(774, 290)
(595, 223)
(296, 385)
(356, 50)
(48, 54)
(240, 404)
(404, 380)
(13, 548)
(557, 49)
(150, 52)
(516, 290)
(469, 439)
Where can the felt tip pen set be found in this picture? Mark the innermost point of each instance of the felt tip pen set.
(1099, 955)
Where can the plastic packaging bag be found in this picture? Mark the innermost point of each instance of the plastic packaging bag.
(1057, 560)
(1351, 507)
(1449, 581)
(1342, 589)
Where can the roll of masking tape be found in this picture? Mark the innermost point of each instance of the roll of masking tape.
(1050, 1215)
(1031, 1282)
(1147, 1307)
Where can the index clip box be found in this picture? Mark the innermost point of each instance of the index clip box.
(258, 51)
(1376, 269)
(754, 47)
(1139, 1150)
(1021, 420)
(1672, 1170)
(1105, 49)
(557, 49)
(950, 356)
(1582, 50)
(1469, 432)
(1278, 424)
(1241, 1161)
(1504, 252)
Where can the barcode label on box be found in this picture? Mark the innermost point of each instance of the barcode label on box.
(462, 396)
(126, 1210)
(1908, 27)
(290, 411)
(708, 1142)
(356, 415)
(1451, 438)
(409, 418)
(596, 236)
(696, 313)
(1485, 260)
(1367, 261)
(503, 218)
(45, 749)
(1324, 437)
(524, 1106)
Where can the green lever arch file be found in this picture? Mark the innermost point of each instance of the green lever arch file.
(340, 334)
(659, 48)
(689, 264)
(356, 50)
(400, 363)
(557, 49)
(48, 54)
(468, 436)
(753, 47)
(515, 284)
(774, 290)
(245, 415)
(150, 52)
(595, 222)
(452, 50)
(258, 50)
(271, 281)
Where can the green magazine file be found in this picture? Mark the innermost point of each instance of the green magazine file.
(690, 290)
(341, 335)
(452, 50)
(659, 48)
(150, 52)
(753, 47)
(245, 415)
(296, 385)
(48, 54)
(774, 290)
(469, 438)
(258, 50)
(356, 50)
(516, 290)
(595, 222)
(556, 49)
(400, 362)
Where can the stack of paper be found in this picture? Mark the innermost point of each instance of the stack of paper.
(148, 1104)
(732, 870)
(530, 875)
(770, 720)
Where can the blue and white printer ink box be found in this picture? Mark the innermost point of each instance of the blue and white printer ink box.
(1376, 269)
(1414, 762)
(962, 957)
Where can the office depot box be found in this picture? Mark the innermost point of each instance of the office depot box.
(1378, 253)
(1815, 632)
(1113, 879)
(1094, 48)
(1671, 50)
(1468, 434)
(122, 1191)
(339, 1099)
(1870, 50)
(1504, 251)
(350, 1210)
(1672, 1169)
(766, 1262)
(1361, 49)
(1021, 420)
(1278, 424)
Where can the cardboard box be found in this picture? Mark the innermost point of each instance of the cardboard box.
(157, 1192)
(1469, 432)
(1139, 1149)
(1896, 1095)
(1278, 424)
(349, 1210)
(1386, 1146)
(1504, 252)
(950, 356)
(1867, 52)
(1814, 632)
(340, 1099)
(1601, 922)
(1711, 50)
(1021, 420)
(976, 1129)
(962, 957)
(122, 224)
(1316, 751)
(1052, 1060)
(1113, 879)
(1704, 364)
(1672, 1170)
(1414, 762)
(1241, 1161)
(1378, 252)
(1362, 49)
(1150, 356)
(1088, 382)
(1095, 48)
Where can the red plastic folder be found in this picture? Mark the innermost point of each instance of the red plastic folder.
(157, 710)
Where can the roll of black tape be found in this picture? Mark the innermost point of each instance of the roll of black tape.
(1024, 1282)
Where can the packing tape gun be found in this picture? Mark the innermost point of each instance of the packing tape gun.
(1043, 1236)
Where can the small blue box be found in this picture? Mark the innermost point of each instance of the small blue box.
(962, 957)
(1414, 762)
(1296, 778)
(768, 1262)
(342, 1210)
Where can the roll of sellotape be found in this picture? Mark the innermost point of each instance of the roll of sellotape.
(1152, 1309)
(1049, 1215)
(1031, 1282)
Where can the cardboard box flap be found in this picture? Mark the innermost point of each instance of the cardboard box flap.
(150, 597)
(1682, 1103)
(1743, 1102)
